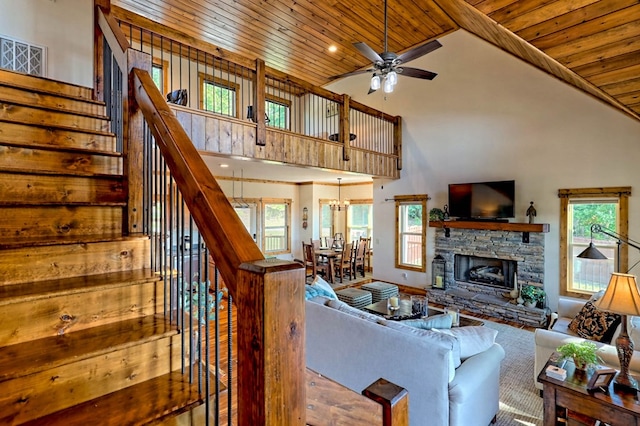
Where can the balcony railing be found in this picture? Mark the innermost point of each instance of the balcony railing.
(263, 96)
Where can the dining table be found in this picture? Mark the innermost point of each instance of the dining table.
(331, 255)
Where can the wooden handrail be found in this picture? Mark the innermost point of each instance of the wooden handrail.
(212, 212)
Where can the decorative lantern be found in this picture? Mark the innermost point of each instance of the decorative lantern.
(437, 272)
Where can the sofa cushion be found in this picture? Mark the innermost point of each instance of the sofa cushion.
(593, 324)
(472, 339)
(355, 312)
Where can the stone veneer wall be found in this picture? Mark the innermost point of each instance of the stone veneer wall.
(490, 300)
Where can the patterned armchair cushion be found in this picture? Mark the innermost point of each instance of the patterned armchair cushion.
(594, 324)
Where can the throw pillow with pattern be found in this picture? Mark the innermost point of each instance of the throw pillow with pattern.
(593, 324)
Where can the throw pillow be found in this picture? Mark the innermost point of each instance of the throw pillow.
(472, 339)
(319, 282)
(427, 323)
(311, 291)
(593, 324)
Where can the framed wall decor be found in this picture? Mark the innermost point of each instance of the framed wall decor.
(332, 109)
(601, 379)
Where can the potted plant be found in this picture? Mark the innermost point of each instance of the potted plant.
(533, 296)
(583, 353)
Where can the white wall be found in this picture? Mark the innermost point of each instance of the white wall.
(490, 116)
(64, 27)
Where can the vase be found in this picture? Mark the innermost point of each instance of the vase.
(515, 293)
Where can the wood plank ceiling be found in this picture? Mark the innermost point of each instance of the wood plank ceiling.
(593, 45)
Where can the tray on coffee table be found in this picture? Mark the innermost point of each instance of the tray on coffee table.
(404, 311)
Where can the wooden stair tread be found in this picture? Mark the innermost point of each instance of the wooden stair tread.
(47, 147)
(53, 127)
(49, 101)
(48, 353)
(81, 284)
(38, 242)
(170, 394)
(55, 87)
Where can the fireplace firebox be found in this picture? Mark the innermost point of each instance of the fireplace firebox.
(484, 270)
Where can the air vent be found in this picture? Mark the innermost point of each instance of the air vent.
(16, 55)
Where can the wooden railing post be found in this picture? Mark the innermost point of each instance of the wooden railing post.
(397, 140)
(133, 143)
(271, 343)
(259, 108)
(394, 400)
(345, 132)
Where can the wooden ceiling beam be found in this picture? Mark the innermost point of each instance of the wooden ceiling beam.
(470, 19)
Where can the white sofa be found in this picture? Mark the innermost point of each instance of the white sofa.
(546, 341)
(355, 349)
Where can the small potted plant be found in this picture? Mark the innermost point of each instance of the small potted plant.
(583, 353)
(533, 296)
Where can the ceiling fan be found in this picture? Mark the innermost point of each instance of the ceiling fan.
(386, 65)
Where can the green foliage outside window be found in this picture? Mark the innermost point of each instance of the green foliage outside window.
(585, 215)
(277, 114)
(219, 99)
(156, 75)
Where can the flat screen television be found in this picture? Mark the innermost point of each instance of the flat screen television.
(483, 200)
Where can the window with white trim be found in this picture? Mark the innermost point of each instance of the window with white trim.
(22, 57)
(411, 232)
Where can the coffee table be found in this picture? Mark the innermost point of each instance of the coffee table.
(404, 311)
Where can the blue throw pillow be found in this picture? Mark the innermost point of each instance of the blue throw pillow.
(319, 288)
(427, 323)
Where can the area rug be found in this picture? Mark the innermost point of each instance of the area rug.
(520, 404)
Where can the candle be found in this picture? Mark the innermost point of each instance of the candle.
(393, 302)
(439, 281)
(453, 312)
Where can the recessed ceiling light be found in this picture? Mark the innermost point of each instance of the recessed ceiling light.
(333, 48)
(224, 166)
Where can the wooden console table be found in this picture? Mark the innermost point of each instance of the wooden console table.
(571, 394)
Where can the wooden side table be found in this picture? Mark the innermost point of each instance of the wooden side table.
(616, 408)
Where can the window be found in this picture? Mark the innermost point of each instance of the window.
(248, 214)
(581, 208)
(411, 229)
(276, 221)
(277, 109)
(159, 75)
(218, 95)
(359, 219)
(326, 219)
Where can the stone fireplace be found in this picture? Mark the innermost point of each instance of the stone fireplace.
(480, 266)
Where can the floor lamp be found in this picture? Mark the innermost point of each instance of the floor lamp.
(622, 297)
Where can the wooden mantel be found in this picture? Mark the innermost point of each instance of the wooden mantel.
(491, 226)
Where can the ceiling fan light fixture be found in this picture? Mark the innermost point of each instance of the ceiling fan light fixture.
(393, 78)
(375, 82)
(388, 86)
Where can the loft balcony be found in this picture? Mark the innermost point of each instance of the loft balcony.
(251, 111)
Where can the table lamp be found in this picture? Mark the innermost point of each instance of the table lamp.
(622, 297)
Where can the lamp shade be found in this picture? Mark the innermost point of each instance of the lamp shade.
(592, 252)
(622, 295)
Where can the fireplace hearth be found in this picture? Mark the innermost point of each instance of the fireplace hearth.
(484, 271)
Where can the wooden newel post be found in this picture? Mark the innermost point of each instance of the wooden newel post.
(271, 343)
(394, 400)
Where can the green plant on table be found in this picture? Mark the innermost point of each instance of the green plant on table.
(533, 294)
(582, 353)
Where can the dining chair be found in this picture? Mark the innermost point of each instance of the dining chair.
(316, 244)
(360, 252)
(368, 252)
(313, 264)
(344, 262)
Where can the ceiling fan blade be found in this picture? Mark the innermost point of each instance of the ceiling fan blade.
(419, 51)
(417, 73)
(371, 91)
(371, 54)
(348, 74)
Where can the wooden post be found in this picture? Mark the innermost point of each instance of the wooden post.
(98, 63)
(259, 103)
(345, 132)
(394, 400)
(271, 343)
(397, 140)
(133, 143)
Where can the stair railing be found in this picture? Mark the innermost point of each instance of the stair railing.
(268, 295)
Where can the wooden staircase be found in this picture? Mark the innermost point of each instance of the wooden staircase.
(83, 338)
